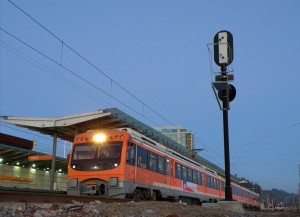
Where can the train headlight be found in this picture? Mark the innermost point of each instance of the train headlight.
(99, 138)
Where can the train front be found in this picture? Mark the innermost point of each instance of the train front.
(97, 164)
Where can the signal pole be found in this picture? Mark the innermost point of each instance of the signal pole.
(223, 56)
(228, 189)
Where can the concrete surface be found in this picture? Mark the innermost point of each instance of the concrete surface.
(12, 205)
(233, 206)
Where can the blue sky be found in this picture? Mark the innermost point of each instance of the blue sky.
(157, 50)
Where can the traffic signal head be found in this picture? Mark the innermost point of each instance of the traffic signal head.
(223, 48)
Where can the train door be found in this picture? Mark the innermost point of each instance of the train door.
(131, 160)
(205, 185)
(169, 177)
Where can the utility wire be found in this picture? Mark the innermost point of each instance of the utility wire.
(76, 87)
(268, 135)
(90, 63)
(53, 74)
(76, 75)
(94, 66)
(80, 77)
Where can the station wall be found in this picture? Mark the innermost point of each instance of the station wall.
(31, 178)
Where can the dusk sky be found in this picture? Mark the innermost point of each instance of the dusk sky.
(151, 60)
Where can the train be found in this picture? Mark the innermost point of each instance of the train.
(124, 163)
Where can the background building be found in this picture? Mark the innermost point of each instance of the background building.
(178, 134)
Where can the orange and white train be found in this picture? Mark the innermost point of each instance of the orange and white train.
(123, 163)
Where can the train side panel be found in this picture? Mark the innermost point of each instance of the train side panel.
(141, 170)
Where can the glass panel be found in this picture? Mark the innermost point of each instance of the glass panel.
(223, 186)
(130, 156)
(184, 173)
(161, 165)
(152, 161)
(178, 171)
(142, 158)
(194, 176)
(91, 157)
(190, 175)
(84, 152)
(200, 182)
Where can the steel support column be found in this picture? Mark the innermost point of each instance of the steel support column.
(52, 178)
(228, 189)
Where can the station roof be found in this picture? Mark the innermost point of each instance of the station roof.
(68, 126)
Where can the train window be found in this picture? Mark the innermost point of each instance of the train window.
(244, 194)
(190, 175)
(208, 181)
(130, 155)
(194, 176)
(161, 165)
(184, 173)
(200, 178)
(236, 191)
(84, 152)
(211, 182)
(178, 171)
(142, 157)
(215, 183)
(152, 161)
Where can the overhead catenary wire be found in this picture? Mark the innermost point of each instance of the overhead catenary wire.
(76, 75)
(88, 82)
(90, 63)
(47, 70)
(81, 78)
(57, 76)
(64, 44)
(60, 63)
(112, 83)
(270, 134)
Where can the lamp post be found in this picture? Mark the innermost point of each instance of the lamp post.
(223, 56)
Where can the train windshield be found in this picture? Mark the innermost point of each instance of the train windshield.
(94, 157)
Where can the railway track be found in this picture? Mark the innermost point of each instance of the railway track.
(31, 196)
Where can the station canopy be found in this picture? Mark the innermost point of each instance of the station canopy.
(16, 156)
(67, 127)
